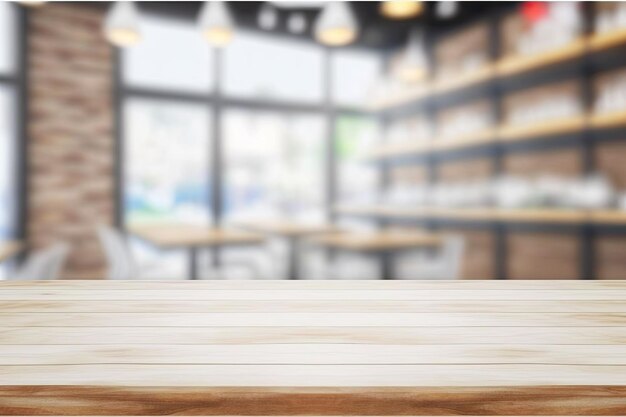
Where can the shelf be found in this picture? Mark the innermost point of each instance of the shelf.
(536, 215)
(542, 129)
(412, 95)
(603, 41)
(607, 120)
(543, 215)
(482, 137)
(508, 67)
(395, 150)
(464, 80)
(608, 217)
(515, 65)
(492, 136)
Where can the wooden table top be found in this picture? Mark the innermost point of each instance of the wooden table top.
(378, 241)
(184, 236)
(288, 228)
(9, 249)
(313, 348)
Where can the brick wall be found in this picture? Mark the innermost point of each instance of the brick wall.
(70, 132)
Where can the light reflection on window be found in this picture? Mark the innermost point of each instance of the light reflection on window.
(167, 158)
(264, 67)
(274, 165)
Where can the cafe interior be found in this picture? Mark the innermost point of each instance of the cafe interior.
(314, 140)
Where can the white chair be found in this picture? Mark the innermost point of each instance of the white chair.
(44, 264)
(446, 263)
(119, 256)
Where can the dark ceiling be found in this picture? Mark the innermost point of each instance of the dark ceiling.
(376, 31)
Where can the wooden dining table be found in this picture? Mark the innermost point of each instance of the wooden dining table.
(383, 244)
(336, 348)
(194, 238)
(293, 233)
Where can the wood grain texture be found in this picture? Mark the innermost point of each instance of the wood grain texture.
(550, 400)
(182, 236)
(288, 228)
(312, 348)
(377, 241)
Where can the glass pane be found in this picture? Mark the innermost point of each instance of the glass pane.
(354, 75)
(354, 136)
(274, 165)
(263, 67)
(167, 160)
(7, 166)
(7, 160)
(8, 37)
(171, 55)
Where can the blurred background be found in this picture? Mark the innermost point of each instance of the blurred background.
(350, 140)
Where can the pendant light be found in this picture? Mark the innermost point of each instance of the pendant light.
(296, 23)
(414, 64)
(401, 9)
(268, 17)
(121, 26)
(32, 3)
(336, 25)
(447, 9)
(216, 23)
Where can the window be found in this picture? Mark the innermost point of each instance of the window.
(354, 73)
(8, 123)
(274, 165)
(263, 67)
(7, 162)
(171, 56)
(8, 38)
(167, 158)
(354, 135)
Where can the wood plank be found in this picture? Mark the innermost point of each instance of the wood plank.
(221, 295)
(287, 228)
(183, 236)
(294, 354)
(330, 285)
(608, 216)
(170, 319)
(164, 375)
(604, 41)
(513, 65)
(313, 335)
(465, 79)
(481, 137)
(543, 215)
(321, 306)
(542, 400)
(377, 241)
(540, 130)
(607, 120)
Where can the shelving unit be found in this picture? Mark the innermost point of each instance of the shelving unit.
(500, 82)
(502, 134)
(508, 67)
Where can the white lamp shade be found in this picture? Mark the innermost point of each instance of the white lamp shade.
(296, 23)
(268, 17)
(121, 26)
(414, 65)
(401, 9)
(336, 25)
(32, 3)
(446, 9)
(216, 23)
